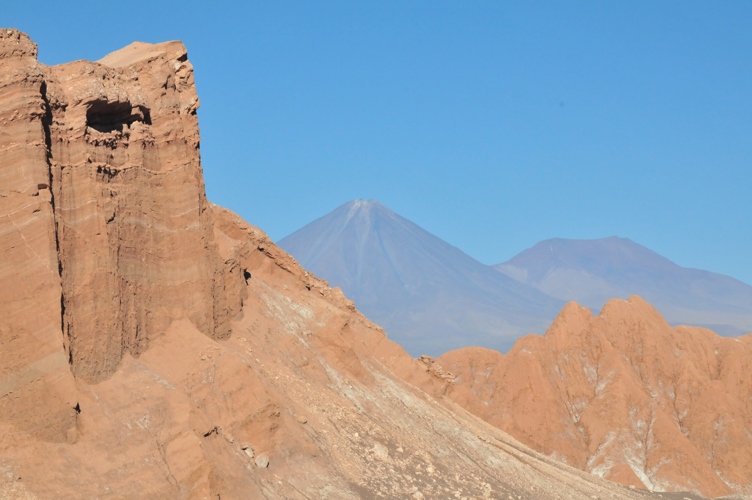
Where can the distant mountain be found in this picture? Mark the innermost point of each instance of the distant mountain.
(428, 295)
(593, 271)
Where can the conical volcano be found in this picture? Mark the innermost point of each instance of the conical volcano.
(428, 295)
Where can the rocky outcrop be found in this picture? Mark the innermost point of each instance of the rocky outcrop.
(108, 153)
(134, 226)
(153, 345)
(622, 395)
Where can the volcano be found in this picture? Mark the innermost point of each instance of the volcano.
(428, 295)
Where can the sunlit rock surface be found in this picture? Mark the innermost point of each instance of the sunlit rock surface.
(622, 395)
(153, 345)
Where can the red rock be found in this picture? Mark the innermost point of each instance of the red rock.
(622, 395)
(34, 364)
(152, 343)
(133, 222)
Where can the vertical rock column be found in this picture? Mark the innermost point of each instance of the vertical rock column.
(37, 390)
(136, 243)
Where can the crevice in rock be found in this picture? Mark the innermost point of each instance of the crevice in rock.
(46, 126)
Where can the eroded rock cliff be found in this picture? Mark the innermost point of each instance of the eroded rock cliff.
(622, 395)
(153, 345)
(133, 223)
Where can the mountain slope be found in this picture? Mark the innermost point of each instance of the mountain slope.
(428, 295)
(621, 395)
(594, 271)
(153, 345)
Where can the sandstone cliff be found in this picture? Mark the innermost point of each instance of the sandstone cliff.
(153, 345)
(622, 395)
(37, 390)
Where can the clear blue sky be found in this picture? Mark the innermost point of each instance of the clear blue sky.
(491, 124)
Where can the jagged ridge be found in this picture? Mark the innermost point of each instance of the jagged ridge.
(622, 395)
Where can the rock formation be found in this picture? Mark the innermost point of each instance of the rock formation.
(133, 223)
(621, 395)
(153, 345)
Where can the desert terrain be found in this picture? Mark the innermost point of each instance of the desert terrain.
(154, 345)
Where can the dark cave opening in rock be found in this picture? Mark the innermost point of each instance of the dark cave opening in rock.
(106, 117)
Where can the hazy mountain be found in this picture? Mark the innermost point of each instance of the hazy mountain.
(428, 295)
(594, 271)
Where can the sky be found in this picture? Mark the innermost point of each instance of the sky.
(493, 125)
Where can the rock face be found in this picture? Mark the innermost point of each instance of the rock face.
(34, 364)
(591, 272)
(133, 222)
(153, 345)
(622, 395)
(428, 295)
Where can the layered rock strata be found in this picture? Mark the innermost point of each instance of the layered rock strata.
(114, 165)
(153, 345)
(622, 395)
(37, 390)
(133, 223)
